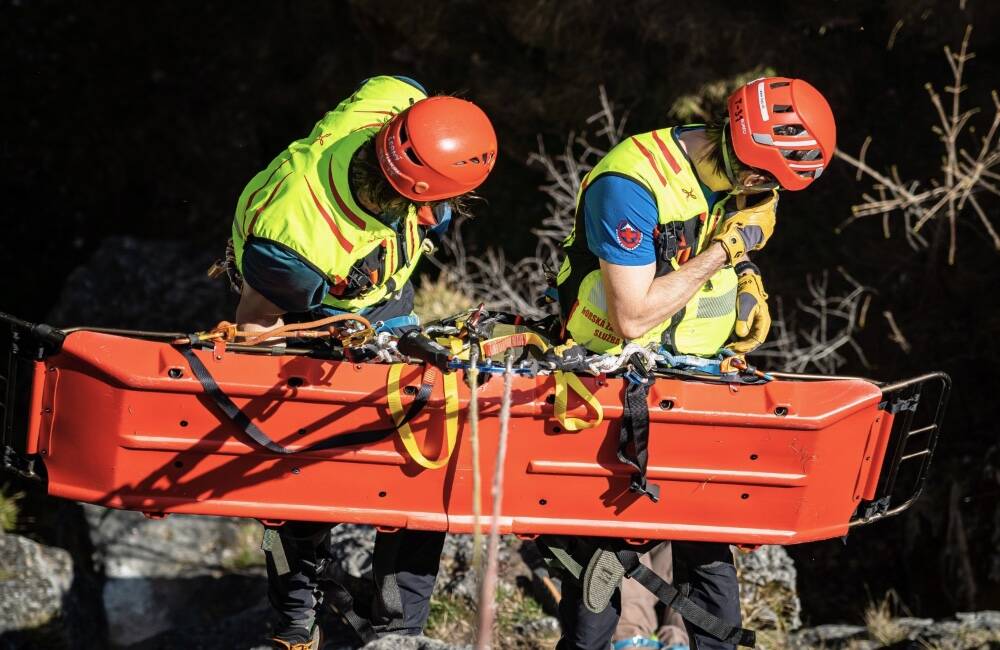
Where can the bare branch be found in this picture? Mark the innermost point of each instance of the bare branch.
(950, 197)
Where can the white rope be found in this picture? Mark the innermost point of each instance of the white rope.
(488, 587)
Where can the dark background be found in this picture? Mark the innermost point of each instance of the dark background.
(147, 120)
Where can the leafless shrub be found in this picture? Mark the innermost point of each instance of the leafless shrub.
(711, 97)
(564, 172)
(966, 178)
(488, 277)
(819, 333)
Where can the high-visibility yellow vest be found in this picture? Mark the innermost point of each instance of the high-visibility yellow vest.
(657, 162)
(303, 202)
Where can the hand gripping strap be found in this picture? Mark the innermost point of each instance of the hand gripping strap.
(564, 382)
(406, 434)
(689, 611)
(240, 419)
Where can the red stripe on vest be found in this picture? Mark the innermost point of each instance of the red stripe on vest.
(347, 246)
(270, 196)
(254, 194)
(652, 161)
(666, 154)
(346, 211)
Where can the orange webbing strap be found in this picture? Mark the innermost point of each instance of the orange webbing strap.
(501, 344)
(229, 332)
(399, 415)
(566, 381)
(299, 329)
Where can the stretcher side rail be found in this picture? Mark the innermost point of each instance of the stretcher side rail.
(912, 441)
(22, 345)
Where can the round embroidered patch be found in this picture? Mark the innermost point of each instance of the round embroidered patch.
(629, 237)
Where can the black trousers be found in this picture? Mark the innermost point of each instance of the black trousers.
(404, 568)
(707, 567)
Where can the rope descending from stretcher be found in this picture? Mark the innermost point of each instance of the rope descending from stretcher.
(472, 374)
(488, 586)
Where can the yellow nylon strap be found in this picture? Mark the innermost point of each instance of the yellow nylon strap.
(406, 433)
(565, 381)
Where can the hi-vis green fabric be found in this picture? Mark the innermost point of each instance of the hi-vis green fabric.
(656, 161)
(303, 202)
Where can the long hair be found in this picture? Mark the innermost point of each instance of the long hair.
(366, 177)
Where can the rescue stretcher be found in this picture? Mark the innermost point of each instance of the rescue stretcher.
(119, 419)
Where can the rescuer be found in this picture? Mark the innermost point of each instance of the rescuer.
(659, 253)
(337, 223)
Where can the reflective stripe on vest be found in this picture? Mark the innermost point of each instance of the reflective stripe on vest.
(655, 161)
(303, 200)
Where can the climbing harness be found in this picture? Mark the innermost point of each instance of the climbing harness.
(600, 564)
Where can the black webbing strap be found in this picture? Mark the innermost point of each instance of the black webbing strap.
(689, 611)
(240, 419)
(339, 599)
(633, 437)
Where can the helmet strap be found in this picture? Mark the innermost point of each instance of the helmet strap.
(727, 161)
(731, 173)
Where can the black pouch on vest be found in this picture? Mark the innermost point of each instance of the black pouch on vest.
(365, 273)
(666, 244)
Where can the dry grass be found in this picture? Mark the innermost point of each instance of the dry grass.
(245, 553)
(437, 299)
(880, 619)
(10, 508)
(453, 619)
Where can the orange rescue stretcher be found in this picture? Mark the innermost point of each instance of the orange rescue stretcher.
(117, 419)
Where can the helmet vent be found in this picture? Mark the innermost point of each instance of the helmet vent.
(412, 156)
(802, 155)
(782, 108)
(779, 84)
(789, 129)
(404, 134)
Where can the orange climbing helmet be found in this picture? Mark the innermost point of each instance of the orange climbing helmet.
(438, 148)
(784, 127)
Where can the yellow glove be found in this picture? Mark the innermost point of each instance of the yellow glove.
(753, 318)
(748, 229)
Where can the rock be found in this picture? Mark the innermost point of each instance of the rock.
(36, 608)
(145, 284)
(352, 546)
(546, 627)
(247, 629)
(968, 630)
(396, 642)
(828, 636)
(988, 620)
(767, 588)
(184, 571)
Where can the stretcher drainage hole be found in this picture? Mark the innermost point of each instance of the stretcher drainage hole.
(175, 373)
(754, 457)
(302, 432)
(550, 399)
(295, 382)
(410, 390)
(781, 411)
(667, 404)
(542, 502)
(178, 464)
(557, 429)
(744, 496)
(383, 493)
(184, 423)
